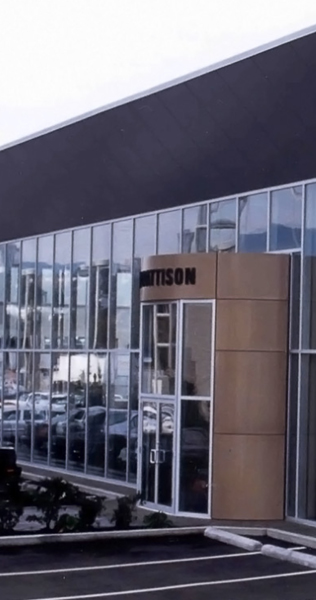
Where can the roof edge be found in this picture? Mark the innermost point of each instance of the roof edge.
(163, 86)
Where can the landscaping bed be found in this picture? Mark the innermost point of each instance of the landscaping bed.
(55, 506)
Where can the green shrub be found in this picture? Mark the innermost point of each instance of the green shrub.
(90, 508)
(157, 520)
(67, 524)
(123, 515)
(49, 497)
(9, 515)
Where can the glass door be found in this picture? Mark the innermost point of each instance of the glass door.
(176, 389)
(157, 432)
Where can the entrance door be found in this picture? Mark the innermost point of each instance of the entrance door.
(157, 432)
(176, 382)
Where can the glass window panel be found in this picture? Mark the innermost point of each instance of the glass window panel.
(25, 405)
(145, 245)
(286, 215)
(96, 426)
(133, 427)
(77, 411)
(2, 293)
(194, 456)
(194, 229)
(61, 290)
(121, 284)
(292, 436)
(60, 387)
(42, 409)
(100, 277)
(197, 350)
(10, 394)
(27, 308)
(169, 225)
(118, 416)
(44, 292)
(253, 217)
(223, 226)
(307, 458)
(159, 358)
(12, 294)
(309, 270)
(80, 288)
(295, 299)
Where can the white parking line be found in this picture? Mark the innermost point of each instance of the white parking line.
(180, 587)
(126, 565)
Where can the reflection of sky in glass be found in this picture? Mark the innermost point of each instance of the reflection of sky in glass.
(101, 243)
(169, 232)
(145, 236)
(253, 211)
(122, 242)
(286, 208)
(81, 246)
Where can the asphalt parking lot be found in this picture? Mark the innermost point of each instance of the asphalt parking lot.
(159, 569)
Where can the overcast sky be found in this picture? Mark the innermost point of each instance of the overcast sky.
(62, 58)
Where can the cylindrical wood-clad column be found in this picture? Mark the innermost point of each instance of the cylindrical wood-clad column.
(250, 386)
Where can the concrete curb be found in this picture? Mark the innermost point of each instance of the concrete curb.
(240, 530)
(95, 536)
(298, 539)
(232, 538)
(299, 558)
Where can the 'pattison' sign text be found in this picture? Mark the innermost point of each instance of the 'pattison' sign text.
(169, 277)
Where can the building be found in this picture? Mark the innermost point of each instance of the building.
(198, 387)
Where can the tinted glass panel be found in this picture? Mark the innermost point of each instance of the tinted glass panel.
(25, 406)
(145, 245)
(118, 417)
(12, 294)
(2, 293)
(80, 288)
(194, 456)
(133, 427)
(44, 292)
(169, 224)
(77, 411)
(96, 426)
(10, 393)
(121, 284)
(159, 349)
(43, 412)
(27, 308)
(292, 436)
(60, 379)
(309, 270)
(253, 216)
(286, 215)
(100, 278)
(194, 229)
(197, 350)
(307, 458)
(61, 290)
(223, 226)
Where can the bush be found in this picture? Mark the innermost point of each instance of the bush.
(90, 508)
(124, 513)
(9, 515)
(157, 520)
(49, 497)
(67, 524)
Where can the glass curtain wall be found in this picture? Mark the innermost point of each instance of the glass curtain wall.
(69, 330)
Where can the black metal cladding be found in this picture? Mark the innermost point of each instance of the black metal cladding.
(246, 126)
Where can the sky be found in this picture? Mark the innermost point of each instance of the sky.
(60, 59)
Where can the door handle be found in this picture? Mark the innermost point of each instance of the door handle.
(161, 456)
(152, 457)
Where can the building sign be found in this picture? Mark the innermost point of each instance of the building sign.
(178, 276)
